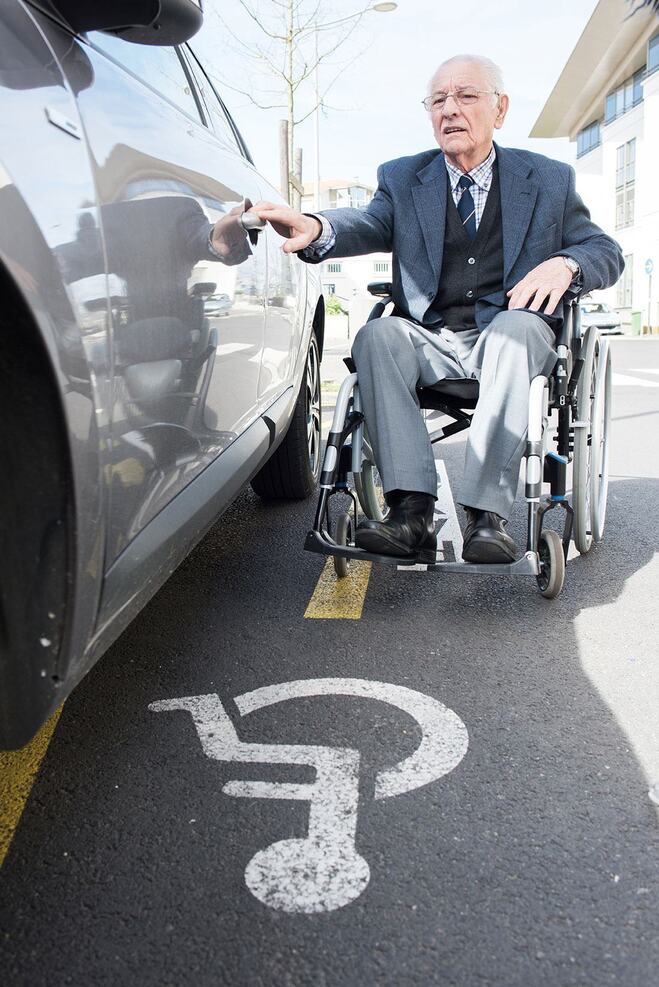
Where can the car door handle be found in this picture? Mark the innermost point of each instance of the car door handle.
(253, 225)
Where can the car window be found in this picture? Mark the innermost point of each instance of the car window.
(160, 67)
(219, 121)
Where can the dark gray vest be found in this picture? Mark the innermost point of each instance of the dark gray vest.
(471, 269)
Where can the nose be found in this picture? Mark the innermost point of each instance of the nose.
(450, 110)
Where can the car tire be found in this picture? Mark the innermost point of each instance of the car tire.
(292, 471)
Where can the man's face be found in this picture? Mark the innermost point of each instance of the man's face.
(464, 133)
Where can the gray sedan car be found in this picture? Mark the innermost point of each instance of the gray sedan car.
(133, 406)
(601, 315)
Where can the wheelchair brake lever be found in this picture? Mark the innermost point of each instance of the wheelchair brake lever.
(574, 378)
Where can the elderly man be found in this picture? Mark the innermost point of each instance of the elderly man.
(485, 241)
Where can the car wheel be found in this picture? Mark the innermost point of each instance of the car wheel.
(292, 471)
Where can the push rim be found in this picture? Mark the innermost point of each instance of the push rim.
(582, 471)
(599, 473)
(368, 485)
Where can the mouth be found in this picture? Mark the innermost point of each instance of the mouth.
(453, 130)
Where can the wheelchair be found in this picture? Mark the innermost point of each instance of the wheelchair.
(569, 425)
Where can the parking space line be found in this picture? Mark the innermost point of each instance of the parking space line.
(18, 772)
(340, 599)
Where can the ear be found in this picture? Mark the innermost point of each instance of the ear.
(504, 103)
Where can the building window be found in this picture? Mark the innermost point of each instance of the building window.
(625, 183)
(381, 266)
(330, 289)
(588, 138)
(624, 287)
(333, 267)
(625, 97)
(653, 54)
(352, 197)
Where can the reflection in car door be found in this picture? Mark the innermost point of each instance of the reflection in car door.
(185, 375)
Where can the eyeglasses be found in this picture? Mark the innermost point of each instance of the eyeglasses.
(465, 97)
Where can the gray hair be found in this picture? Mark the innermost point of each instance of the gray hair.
(492, 70)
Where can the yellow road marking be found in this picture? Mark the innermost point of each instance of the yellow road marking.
(340, 599)
(18, 772)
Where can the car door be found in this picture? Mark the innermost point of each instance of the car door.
(186, 370)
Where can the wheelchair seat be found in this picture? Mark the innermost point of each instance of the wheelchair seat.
(458, 394)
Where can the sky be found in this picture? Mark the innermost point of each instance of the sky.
(383, 71)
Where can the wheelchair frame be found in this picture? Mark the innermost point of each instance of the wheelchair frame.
(546, 551)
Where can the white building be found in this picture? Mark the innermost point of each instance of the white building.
(607, 100)
(348, 278)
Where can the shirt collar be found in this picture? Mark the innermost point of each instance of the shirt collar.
(481, 174)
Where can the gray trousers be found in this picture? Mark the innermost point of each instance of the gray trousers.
(394, 355)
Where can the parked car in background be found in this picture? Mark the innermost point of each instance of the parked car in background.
(601, 315)
(217, 305)
(130, 416)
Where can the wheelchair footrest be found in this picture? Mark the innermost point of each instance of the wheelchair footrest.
(320, 542)
(528, 565)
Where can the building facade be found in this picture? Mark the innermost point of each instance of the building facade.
(607, 101)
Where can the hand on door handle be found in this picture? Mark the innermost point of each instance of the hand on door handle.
(253, 225)
(229, 238)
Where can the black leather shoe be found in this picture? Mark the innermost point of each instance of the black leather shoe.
(485, 538)
(408, 530)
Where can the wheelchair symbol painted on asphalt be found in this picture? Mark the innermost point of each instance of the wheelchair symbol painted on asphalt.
(322, 871)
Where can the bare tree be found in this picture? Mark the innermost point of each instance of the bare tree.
(294, 41)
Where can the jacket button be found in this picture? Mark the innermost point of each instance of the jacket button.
(472, 260)
(470, 294)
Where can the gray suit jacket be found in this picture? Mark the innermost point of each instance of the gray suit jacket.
(541, 212)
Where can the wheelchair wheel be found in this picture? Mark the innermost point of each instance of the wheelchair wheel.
(601, 428)
(368, 485)
(590, 466)
(342, 536)
(552, 564)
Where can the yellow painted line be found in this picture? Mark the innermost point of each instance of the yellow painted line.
(340, 599)
(18, 772)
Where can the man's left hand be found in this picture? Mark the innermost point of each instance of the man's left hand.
(547, 282)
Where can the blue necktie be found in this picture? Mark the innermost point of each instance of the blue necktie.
(466, 207)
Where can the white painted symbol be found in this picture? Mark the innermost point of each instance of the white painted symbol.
(447, 526)
(323, 871)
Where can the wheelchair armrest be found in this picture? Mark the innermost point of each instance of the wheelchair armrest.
(381, 289)
(570, 332)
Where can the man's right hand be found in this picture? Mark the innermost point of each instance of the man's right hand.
(298, 229)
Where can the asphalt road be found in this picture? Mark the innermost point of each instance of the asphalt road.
(519, 848)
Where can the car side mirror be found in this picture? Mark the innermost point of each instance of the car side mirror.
(144, 22)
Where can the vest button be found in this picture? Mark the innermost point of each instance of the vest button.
(472, 260)
(470, 294)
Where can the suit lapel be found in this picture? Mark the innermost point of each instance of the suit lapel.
(430, 204)
(518, 196)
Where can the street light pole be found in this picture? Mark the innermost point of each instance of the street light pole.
(380, 8)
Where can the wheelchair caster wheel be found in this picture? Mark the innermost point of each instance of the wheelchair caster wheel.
(552, 564)
(342, 536)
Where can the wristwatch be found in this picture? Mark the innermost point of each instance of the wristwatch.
(572, 265)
